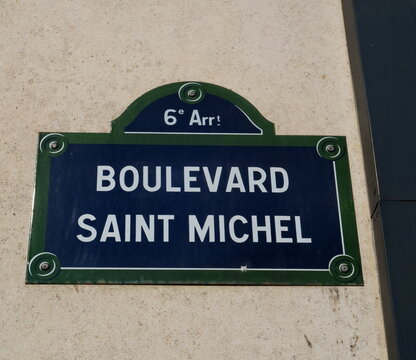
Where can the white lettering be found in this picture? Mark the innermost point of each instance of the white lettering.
(299, 237)
(158, 179)
(111, 222)
(87, 227)
(208, 227)
(109, 177)
(256, 182)
(235, 175)
(195, 118)
(169, 187)
(212, 184)
(188, 179)
(127, 228)
(165, 219)
(221, 227)
(231, 227)
(280, 228)
(285, 186)
(135, 181)
(148, 229)
(266, 228)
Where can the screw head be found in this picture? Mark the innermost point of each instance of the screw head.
(53, 145)
(344, 268)
(330, 148)
(191, 93)
(44, 266)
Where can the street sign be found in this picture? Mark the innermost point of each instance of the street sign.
(192, 186)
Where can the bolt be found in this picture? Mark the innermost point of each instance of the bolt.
(44, 266)
(53, 145)
(344, 268)
(330, 148)
(191, 93)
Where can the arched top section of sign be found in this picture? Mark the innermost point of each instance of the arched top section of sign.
(192, 108)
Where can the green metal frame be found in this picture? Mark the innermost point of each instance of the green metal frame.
(55, 275)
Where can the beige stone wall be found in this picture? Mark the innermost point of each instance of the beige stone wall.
(75, 66)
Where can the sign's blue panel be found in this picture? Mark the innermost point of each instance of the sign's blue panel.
(213, 115)
(202, 207)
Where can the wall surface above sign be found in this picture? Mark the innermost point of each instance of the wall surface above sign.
(193, 186)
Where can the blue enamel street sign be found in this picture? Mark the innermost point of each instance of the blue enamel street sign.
(192, 186)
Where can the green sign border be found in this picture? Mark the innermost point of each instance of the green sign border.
(53, 144)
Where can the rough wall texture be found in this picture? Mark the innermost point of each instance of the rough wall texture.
(75, 66)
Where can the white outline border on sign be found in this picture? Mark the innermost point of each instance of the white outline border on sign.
(242, 268)
(200, 133)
